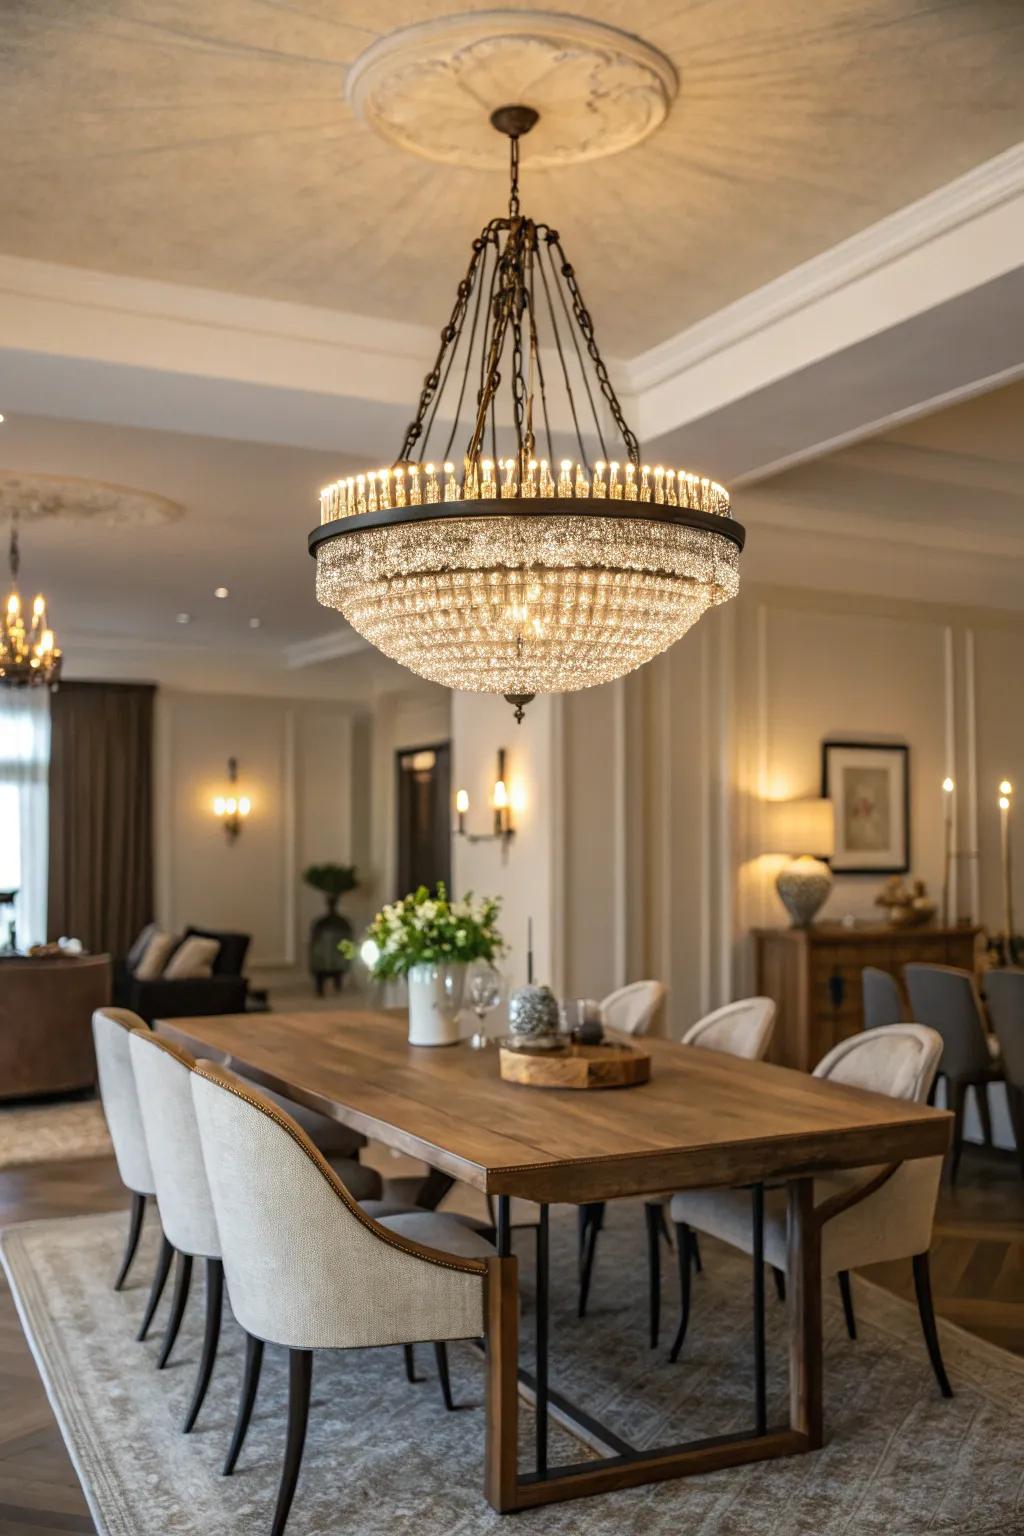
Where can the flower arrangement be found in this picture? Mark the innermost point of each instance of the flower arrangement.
(425, 929)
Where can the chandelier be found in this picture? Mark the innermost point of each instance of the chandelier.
(28, 653)
(508, 571)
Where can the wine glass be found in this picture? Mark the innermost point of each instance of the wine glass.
(486, 991)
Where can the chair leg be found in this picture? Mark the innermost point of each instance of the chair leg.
(959, 1092)
(684, 1238)
(156, 1290)
(135, 1219)
(182, 1277)
(409, 1353)
(441, 1357)
(847, 1294)
(923, 1287)
(655, 1214)
(698, 1262)
(779, 1277)
(300, 1377)
(663, 1225)
(211, 1337)
(591, 1221)
(984, 1112)
(250, 1382)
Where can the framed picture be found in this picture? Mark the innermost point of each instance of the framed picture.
(869, 786)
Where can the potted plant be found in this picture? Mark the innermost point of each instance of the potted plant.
(331, 928)
(431, 941)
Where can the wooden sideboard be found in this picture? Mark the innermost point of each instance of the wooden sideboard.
(813, 976)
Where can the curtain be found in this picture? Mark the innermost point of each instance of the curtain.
(24, 766)
(101, 813)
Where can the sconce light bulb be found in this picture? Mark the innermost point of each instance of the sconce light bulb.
(462, 802)
(219, 806)
(500, 795)
(1004, 802)
(1006, 788)
(244, 805)
(231, 805)
(948, 785)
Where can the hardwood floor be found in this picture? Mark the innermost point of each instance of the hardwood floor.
(977, 1275)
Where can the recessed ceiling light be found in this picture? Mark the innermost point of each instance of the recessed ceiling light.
(184, 618)
(254, 623)
(220, 591)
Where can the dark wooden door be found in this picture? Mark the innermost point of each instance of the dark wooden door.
(424, 817)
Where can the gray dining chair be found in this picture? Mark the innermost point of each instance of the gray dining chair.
(881, 994)
(946, 1000)
(1004, 992)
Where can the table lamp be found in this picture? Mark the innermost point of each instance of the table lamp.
(805, 830)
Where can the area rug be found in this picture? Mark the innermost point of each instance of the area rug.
(52, 1133)
(384, 1458)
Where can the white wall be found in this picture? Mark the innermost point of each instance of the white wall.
(527, 874)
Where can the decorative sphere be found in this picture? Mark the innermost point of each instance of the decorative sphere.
(532, 1012)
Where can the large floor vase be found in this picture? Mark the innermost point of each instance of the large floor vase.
(435, 998)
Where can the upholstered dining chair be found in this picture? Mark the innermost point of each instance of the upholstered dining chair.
(868, 1215)
(882, 1003)
(745, 1029)
(1004, 993)
(630, 1010)
(946, 999)
(111, 1032)
(163, 1078)
(307, 1268)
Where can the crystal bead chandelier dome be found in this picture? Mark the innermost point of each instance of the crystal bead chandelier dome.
(514, 570)
(29, 656)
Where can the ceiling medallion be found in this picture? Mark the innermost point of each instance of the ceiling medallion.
(513, 572)
(30, 496)
(596, 89)
(29, 656)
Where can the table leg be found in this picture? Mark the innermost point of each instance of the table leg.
(804, 1300)
(504, 1230)
(541, 1404)
(501, 1467)
(760, 1373)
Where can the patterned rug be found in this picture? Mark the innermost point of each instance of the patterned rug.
(383, 1458)
(52, 1133)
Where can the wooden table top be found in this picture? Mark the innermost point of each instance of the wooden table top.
(703, 1119)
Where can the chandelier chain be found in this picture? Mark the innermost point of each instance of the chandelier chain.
(14, 555)
(586, 326)
(513, 191)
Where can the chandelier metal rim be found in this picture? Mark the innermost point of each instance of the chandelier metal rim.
(624, 511)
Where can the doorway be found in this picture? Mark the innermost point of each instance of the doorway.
(424, 817)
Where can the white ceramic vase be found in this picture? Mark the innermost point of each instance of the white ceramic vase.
(435, 999)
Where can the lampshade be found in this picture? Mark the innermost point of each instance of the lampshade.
(798, 826)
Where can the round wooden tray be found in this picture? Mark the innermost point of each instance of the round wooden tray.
(612, 1065)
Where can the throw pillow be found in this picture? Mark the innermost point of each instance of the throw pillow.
(138, 949)
(193, 958)
(157, 952)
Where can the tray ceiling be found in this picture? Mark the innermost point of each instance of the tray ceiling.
(209, 142)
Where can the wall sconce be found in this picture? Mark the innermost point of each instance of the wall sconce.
(501, 802)
(232, 809)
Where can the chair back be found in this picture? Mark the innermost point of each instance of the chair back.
(305, 1266)
(631, 1010)
(899, 1060)
(743, 1029)
(111, 1031)
(163, 1076)
(1004, 991)
(947, 1001)
(882, 1001)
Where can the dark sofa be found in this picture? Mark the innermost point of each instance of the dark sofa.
(223, 992)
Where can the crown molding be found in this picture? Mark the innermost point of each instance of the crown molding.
(920, 223)
(308, 653)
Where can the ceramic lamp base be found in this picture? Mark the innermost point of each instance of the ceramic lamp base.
(803, 886)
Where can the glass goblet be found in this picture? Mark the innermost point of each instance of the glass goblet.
(486, 990)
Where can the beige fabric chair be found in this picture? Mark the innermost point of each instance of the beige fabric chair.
(163, 1075)
(871, 1214)
(306, 1268)
(743, 1028)
(631, 1010)
(111, 1032)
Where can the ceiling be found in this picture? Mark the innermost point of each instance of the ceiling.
(208, 142)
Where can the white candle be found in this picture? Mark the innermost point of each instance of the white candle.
(1005, 805)
(949, 795)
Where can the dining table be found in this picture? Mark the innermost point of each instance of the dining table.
(704, 1119)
